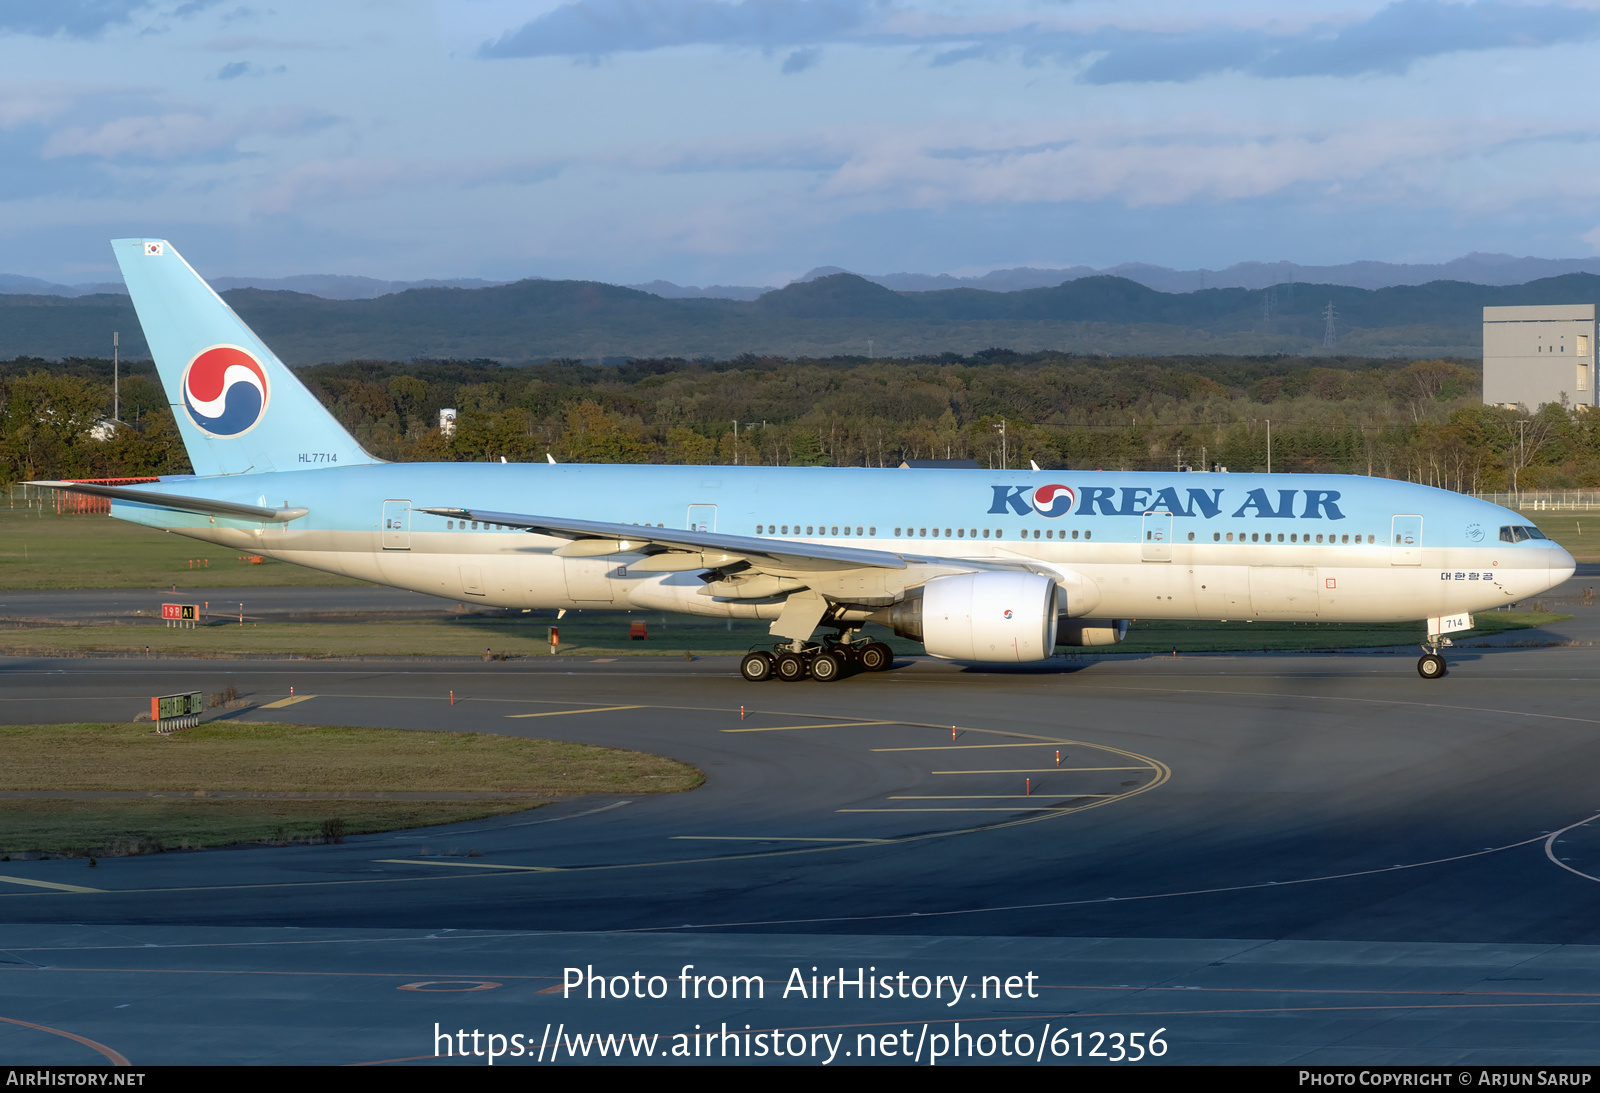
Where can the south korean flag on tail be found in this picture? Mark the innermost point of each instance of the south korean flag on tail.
(152, 250)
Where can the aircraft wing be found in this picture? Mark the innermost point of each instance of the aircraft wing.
(205, 506)
(773, 555)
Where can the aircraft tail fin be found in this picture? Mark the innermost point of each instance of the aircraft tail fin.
(239, 409)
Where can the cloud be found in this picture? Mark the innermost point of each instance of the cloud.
(329, 181)
(800, 60)
(595, 28)
(235, 43)
(24, 104)
(1193, 158)
(177, 135)
(235, 69)
(1388, 43)
(73, 18)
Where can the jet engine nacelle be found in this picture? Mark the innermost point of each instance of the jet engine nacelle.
(1091, 631)
(1007, 617)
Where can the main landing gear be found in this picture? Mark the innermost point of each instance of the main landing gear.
(823, 661)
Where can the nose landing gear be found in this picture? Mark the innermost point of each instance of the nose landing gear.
(1431, 665)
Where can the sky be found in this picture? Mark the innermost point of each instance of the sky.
(744, 142)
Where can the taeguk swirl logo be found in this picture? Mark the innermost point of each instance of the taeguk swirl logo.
(225, 391)
(1052, 500)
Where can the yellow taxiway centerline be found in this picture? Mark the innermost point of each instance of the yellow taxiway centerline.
(282, 702)
(825, 725)
(931, 809)
(54, 885)
(997, 796)
(775, 839)
(965, 747)
(467, 864)
(592, 709)
(1034, 770)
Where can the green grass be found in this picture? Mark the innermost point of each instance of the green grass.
(244, 757)
(466, 635)
(43, 550)
(597, 634)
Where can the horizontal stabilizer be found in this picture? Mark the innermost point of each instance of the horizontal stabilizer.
(205, 506)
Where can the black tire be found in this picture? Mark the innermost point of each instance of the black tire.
(1432, 666)
(757, 667)
(826, 667)
(876, 657)
(789, 667)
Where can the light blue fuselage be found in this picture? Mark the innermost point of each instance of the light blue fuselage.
(1129, 544)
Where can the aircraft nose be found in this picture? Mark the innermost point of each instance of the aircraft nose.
(1562, 565)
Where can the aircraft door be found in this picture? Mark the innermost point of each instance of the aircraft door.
(702, 518)
(1156, 546)
(397, 525)
(1405, 541)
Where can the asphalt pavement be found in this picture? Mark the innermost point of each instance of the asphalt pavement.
(1292, 858)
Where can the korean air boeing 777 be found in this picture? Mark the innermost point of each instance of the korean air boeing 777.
(999, 566)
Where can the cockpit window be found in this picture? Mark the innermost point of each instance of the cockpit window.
(1516, 533)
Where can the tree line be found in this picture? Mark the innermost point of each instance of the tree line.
(1422, 421)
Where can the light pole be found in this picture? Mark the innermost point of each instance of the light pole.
(1002, 428)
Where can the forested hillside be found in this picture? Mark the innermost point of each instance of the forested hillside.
(1416, 420)
(838, 315)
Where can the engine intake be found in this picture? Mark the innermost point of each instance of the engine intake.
(995, 617)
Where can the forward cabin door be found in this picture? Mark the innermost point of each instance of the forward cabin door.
(397, 525)
(1405, 541)
(1157, 543)
(702, 518)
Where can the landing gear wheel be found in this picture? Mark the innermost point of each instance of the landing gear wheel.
(876, 657)
(825, 667)
(756, 666)
(1431, 666)
(789, 667)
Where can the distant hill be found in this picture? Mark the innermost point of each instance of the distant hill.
(834, 315)
(1475, 268)
(332, 286)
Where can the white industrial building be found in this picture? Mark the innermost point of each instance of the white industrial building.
(1535, 355)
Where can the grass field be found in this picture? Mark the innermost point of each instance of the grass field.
(43, 550)
(600, 635)
(467, 635)
(498, 773)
